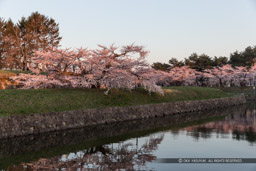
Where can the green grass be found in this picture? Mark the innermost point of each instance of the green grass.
(4, 72)
(14, 101)
(18, 72)
(7, 73)
(13, 71)
(238, 90)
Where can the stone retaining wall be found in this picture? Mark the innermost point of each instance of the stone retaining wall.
(21, 125)
(250, 98)
(34, 143)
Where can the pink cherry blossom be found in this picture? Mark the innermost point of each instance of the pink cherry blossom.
(225, 76)
(82, 68)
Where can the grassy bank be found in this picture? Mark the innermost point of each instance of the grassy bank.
(238, 90)
(3, 72)
(13, 101)
(13, 72)
(6, 74)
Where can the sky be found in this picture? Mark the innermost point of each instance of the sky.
(167, 28)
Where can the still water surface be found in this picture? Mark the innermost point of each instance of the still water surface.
(229, 133)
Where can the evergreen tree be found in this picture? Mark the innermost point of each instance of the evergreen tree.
(161, 66)
(245, 58)
(199, 63)
(220, 61)
(249, 55)
(19, 42)
(236, 59)
(175, 63)
(2, 23)
(9, 47)
(37, 32)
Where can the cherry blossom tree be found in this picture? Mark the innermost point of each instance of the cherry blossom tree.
(222, 76)
(126, 67)
(106, 67)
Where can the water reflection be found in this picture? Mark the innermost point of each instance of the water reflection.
(242, 127)
(146, 141)
(129, 155)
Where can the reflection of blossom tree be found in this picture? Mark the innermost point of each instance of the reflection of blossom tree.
(126, 155)
(241, 126)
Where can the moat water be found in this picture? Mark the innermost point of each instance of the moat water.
(137, 145)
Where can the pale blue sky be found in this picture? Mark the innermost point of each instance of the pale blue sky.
(168, 28)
